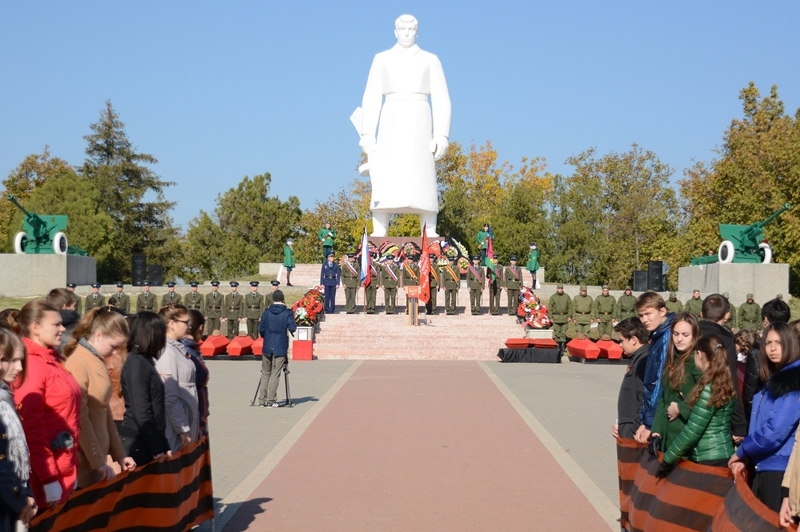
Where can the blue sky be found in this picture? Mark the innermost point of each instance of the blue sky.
(216, 91)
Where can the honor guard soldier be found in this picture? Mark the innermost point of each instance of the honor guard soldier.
(533, 264)
(674, 306)
(435, 276)
(626, 305)
(560, 311)
(410, 276)
(146, 300)
(512, 279)
(750, 315)
(482, 238)
(495, 284)
(582, 308)
(71, 287)
(268, 297)
(605, 308)
(234, 310)
(123, 299)
(326, 237)
(170, 297)
(195, 300)
(475, 282)
(214, 303)
(330, 277)
(253, 308)
(694, 305)
(350, 280)
(452, 282)
(95, 299)
(733, 321)
(371, 290)
(391, 275)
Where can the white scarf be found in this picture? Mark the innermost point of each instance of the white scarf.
(17, 445)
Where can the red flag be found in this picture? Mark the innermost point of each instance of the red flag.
(424, 270)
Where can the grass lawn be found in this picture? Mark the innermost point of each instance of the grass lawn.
(13, 302)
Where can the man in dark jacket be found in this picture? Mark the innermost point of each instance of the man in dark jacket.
(330, 277)
(275, 322)
(634, 340)
(716, 310)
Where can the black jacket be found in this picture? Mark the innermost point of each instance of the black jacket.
(630, 394)
(13, 493)
(752, 379)
(145, 418)
(738, 418)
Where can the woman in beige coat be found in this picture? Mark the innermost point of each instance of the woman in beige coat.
(99, 334)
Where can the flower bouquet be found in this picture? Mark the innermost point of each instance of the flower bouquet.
(532, 310)
(308, 308)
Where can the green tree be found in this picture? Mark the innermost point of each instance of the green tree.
(132, 195)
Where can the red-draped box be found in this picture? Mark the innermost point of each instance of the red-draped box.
(610, 350)
(240, 345)
(544, 343)
(303, 350)
(519, 343)
(583, 348)
(214, 345)
(258, 346)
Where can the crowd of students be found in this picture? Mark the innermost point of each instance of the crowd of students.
(696, 391)
(114, 388)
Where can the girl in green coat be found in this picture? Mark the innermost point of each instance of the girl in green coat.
(533, 264)
(680, 376)
(288, 260)
(707, 438)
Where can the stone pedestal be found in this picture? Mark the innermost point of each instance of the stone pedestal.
(36, 275)
(764, 281)
(539, 333)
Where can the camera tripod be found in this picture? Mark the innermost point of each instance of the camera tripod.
(286, 383)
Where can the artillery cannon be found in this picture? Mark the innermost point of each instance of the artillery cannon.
(43, 234)
(743, 243)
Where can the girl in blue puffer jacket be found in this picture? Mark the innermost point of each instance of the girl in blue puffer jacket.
(775, 415)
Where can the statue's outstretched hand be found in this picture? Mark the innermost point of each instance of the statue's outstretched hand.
(367, 143)
(439, 146)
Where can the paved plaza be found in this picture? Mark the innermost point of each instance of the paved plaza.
(416, 445)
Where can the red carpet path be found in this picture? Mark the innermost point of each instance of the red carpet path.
(417, 446)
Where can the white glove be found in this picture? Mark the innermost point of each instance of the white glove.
(439, 146)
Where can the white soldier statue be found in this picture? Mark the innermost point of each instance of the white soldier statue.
(401, 159)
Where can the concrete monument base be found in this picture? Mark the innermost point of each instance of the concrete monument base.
(764, 281)
(36, 275)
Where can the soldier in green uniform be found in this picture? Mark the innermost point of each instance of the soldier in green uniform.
(435, 280)
(533, 264)
(512, 280)
(475, 282)
(694, 305)
(171, 297)
(559, 309)
(214, 303)
(482, 239)
(626, 305)
(390, 276)
(674, 306)
(452, 282)
(326, 236)
(95, 299)
(733, 320)
(582, 311)
(268, 297)
(79, 304)
(234, 310)
(146, 300)
(371, 290)
(123, 300)
(253, 308)
(495, 284)
(410, 277)
(750, 315)
(288, 261)
(350, 279)
(194, 300)
(605, 308)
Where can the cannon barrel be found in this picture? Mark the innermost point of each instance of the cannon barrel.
(34, 220)
(755, 229)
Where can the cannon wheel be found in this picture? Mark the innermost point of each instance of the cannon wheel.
(60, 246)
(767, 252)
(726, 251)
(20, 241)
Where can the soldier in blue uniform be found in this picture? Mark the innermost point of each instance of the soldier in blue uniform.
(329, 278)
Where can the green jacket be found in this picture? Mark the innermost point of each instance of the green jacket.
(288, 257)
(169, 298)
(582, 309)
(605, 307)
(390, 275)
(626, 307)
(350, 278)
(670, 430)
(475, 278)
(482, 239)
(749, 315)
(674, 307)
(560, 307)
(707, 435)
(533, 261)
(694, 306)
(512, 277)
(326, 236)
